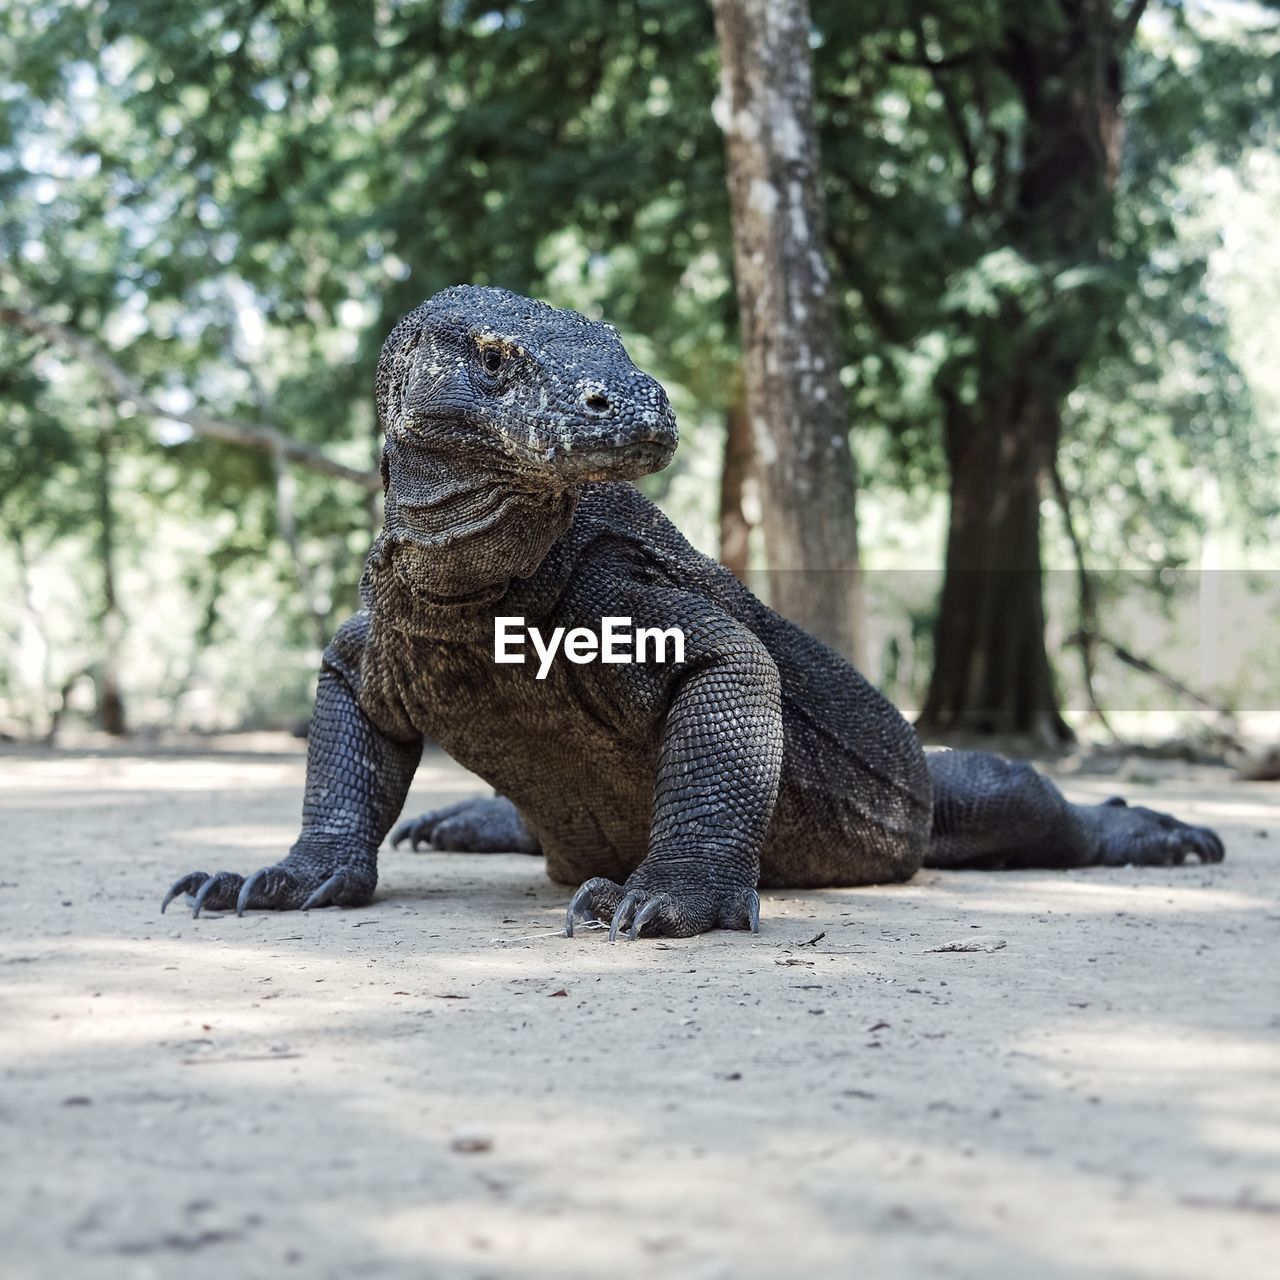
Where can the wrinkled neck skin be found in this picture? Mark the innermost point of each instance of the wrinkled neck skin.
(459, 528)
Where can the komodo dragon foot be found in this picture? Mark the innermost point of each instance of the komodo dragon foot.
(1132, 834)
(675, 913)
(318, 875)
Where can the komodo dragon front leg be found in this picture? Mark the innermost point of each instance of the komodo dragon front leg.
(357, 780)
(718, 768)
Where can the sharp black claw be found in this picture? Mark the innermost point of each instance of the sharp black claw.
(623, 914)
(417, 831)
(753, 910)
(576, 904)
(647, 913)
(324, 894)
(184, 884)
(246, 890)
(203, 893)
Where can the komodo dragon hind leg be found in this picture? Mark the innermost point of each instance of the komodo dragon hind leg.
(491, 825)
(989, 812)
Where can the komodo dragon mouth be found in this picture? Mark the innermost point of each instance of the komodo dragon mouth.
(626, 461)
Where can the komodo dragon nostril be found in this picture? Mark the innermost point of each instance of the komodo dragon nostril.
(597, 402)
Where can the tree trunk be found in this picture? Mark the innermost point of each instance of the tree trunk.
(735, 528)
(991, 669)
(795, 400)
(39, 722)
(991, 673)
(110, 700)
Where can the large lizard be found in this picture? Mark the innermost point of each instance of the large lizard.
(669, 791)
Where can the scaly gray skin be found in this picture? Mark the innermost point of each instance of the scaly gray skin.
(669, 792)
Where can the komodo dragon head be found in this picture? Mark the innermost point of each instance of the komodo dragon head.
(495, 409)
(544, 393)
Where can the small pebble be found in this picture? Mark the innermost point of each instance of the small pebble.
(470, 1144)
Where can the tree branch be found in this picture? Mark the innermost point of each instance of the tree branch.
(208, 426)
(1129, 22)
(1147, 667)
(1086, 636)
(954, 113)
(881, 315)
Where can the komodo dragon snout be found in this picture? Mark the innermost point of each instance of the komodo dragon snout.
(543, 394)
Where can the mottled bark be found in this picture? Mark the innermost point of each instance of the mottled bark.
(795, 401)
(735, 472)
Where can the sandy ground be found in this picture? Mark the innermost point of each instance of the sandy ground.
(435, 1086)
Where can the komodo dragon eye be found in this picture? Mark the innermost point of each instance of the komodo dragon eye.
(494, 358)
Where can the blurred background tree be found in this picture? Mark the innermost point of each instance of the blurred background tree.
(1044, 289)
(791, 357)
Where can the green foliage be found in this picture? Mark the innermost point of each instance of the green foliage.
(238, 199)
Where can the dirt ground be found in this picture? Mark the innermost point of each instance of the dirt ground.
(436, 1085)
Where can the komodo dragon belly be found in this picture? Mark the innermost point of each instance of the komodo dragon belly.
(583, 787)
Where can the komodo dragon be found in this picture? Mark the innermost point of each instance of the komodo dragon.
(671, 791)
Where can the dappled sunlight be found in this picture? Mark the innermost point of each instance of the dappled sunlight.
(53, 775)
(1260, 807)
(17, 800)
(180, 981)
(1252, 802)
(608, 1164)
(589, 1137)
(1208, 1087)
(833, 1087)
(1142, 1055)
(1094, 890)
(632, 1175)
(239, 837)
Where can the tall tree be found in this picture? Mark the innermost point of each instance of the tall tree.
(1004, 240)
(1003, 405)
(791, 346)
(110, 697)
